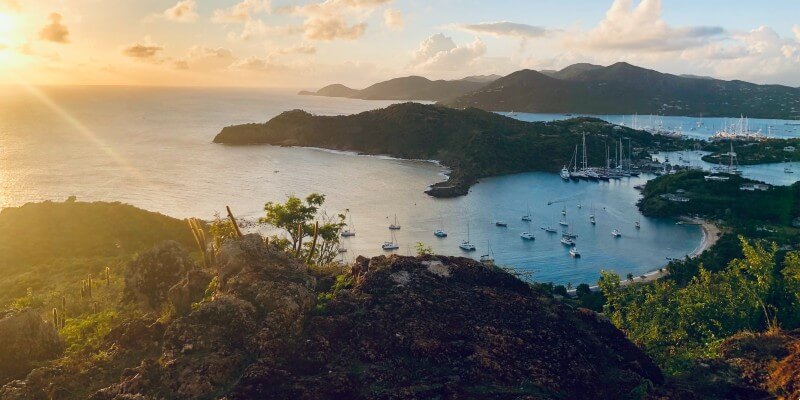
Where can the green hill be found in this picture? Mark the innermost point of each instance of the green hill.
(622, 88)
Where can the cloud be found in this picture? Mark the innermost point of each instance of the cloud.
(143, 52)
(440, 53)
(254, 63)
(303, 49)
(640, 28)
(796, 30)
(55, 31)
(241, 12)
(505, 28)
(209, 58)
(328, 20)
(393, 19)
(184, 11)
(12, 5)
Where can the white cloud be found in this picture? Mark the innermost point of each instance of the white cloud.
(393, 19)
(55, 31)
(11, 5)
(796, 30)
(504, 28)
(184, 11)
(143, 52)
(328, 20)
(302, 49)
(640, 28)
(254, 63)
(440, 53)
(207, 58)
(241, 12)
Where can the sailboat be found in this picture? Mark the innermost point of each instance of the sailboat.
(788, 170)
(616, 233)
(350, 230)
(395, 226)
(527, 216)
(549, 229)
(440, 232)
(392, 245)
(466, 245)
(527, 236)
(566, 241)
(591, 216)
(637, 225)
(564, 211)
(574, 252)
(501, 224)
(488, 258)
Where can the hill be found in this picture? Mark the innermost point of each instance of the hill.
(472, 142)
(407, 88)
(622, 88)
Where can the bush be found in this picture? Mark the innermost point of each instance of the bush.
(149, 276)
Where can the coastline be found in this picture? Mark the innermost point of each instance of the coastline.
(710, 237)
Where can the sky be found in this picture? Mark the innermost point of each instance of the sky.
(307, 44)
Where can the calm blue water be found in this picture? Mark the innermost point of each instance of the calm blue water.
(692, 127)
(152, 148)
(773, 174)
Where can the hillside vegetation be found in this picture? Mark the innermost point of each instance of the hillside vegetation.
(472, 142)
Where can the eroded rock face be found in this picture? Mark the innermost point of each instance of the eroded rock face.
(190, 290)
(149, 277)
(25, 339)
(255, 317)
(451, 328)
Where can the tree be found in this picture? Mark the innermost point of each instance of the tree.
(629, 277)
(755, 271)
(422, 249)
(582, 290)
(560, 290)
(297, 218)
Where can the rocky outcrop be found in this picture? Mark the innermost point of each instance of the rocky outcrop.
(190, 290)
(443, 327)
(25, 339)
(149, 277)
(257, 314)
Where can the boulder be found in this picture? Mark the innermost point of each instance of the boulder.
(25, 339)
(190, 290)
(151, 274)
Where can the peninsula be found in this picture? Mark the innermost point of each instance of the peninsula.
(473, 143)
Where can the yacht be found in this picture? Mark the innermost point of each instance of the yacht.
(466, 245)
(391, 245)
(440, 233)
(592, 220)
(549, 229)
(637, 225)
(616, 233)
(350, 230)
(527, 236)
(395, 226)
(563, 223)
(488, 258)
(564, 211)
(527, 216)
(565, 173)
(567, 241)
(500, 224)
(574, 252)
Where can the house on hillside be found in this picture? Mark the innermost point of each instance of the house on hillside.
(789, 149)
(752, 187)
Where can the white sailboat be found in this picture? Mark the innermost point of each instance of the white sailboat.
(391, 245)
(591, 216)
(527, 236)
(466, 245)
(527, 216)
(350, 230)
(574, 252)
(616, 233)
(395, 226)
(488, 258)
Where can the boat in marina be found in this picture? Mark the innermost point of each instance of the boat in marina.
(466, 245)
(616, 233)
(527, 236)
(391, 245)
(739, 130)
(637, 225)
(565, 173)
(527, 216)
(591, 216)
(574, 252)
(350, 230)
(549, 229)
(788, 170)
(440, 233)
(567, 241)
(488, 258)
(501, 224)
(394, 226)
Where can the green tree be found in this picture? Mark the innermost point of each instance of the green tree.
(423, 249)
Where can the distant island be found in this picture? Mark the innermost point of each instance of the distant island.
(473, 143)
(584, 88)
(408, 88)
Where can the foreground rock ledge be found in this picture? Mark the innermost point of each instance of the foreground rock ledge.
(407, 328)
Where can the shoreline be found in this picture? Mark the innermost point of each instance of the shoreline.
(710, 238)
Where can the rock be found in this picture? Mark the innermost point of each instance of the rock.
(190, 290)
(25, 339)
(149, 277)
(263, 299)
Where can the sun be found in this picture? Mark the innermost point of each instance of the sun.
(7, 23)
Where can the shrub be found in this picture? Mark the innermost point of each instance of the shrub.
(150, 275)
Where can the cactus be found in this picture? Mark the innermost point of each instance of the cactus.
(233, 222)
(313, 243)
(55, 318)
(89, 286)
(299, 240)
(199, 238)
(108, 276)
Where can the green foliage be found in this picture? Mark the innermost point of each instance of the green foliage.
(30, 300)
(38, 232)
(221, 229)
(88, 331)
(296, 218)
(422, 249)
(343, 282)
(676, 324)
